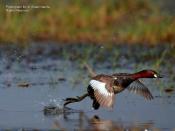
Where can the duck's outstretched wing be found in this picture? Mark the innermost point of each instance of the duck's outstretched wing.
(138, 87)
(103, 95)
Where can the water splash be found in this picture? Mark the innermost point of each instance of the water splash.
(55, 101)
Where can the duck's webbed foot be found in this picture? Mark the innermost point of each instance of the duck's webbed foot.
(70, 100)
(74, 99)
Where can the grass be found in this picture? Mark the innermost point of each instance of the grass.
(138, 21)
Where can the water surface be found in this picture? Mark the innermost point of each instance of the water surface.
(36, 76)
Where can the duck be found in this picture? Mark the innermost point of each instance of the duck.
(102, 88)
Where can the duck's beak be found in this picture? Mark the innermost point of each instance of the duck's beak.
(158, 76)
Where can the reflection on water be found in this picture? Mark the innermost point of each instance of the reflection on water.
(31, 79)
(100, 124)
(84, 122)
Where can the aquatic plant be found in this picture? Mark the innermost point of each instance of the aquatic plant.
(112, 21)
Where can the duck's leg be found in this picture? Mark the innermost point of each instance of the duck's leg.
(75, 99)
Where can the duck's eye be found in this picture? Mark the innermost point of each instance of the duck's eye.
(115, 78)
(155, 75)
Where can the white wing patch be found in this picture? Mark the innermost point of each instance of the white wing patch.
(100, 86)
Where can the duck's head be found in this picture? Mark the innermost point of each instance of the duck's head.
(149, 74)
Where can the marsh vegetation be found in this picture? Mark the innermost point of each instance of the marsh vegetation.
(112, 21)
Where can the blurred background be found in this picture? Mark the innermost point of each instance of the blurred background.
(112, 21)
(46, 45)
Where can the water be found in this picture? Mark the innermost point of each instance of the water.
(53, 75)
